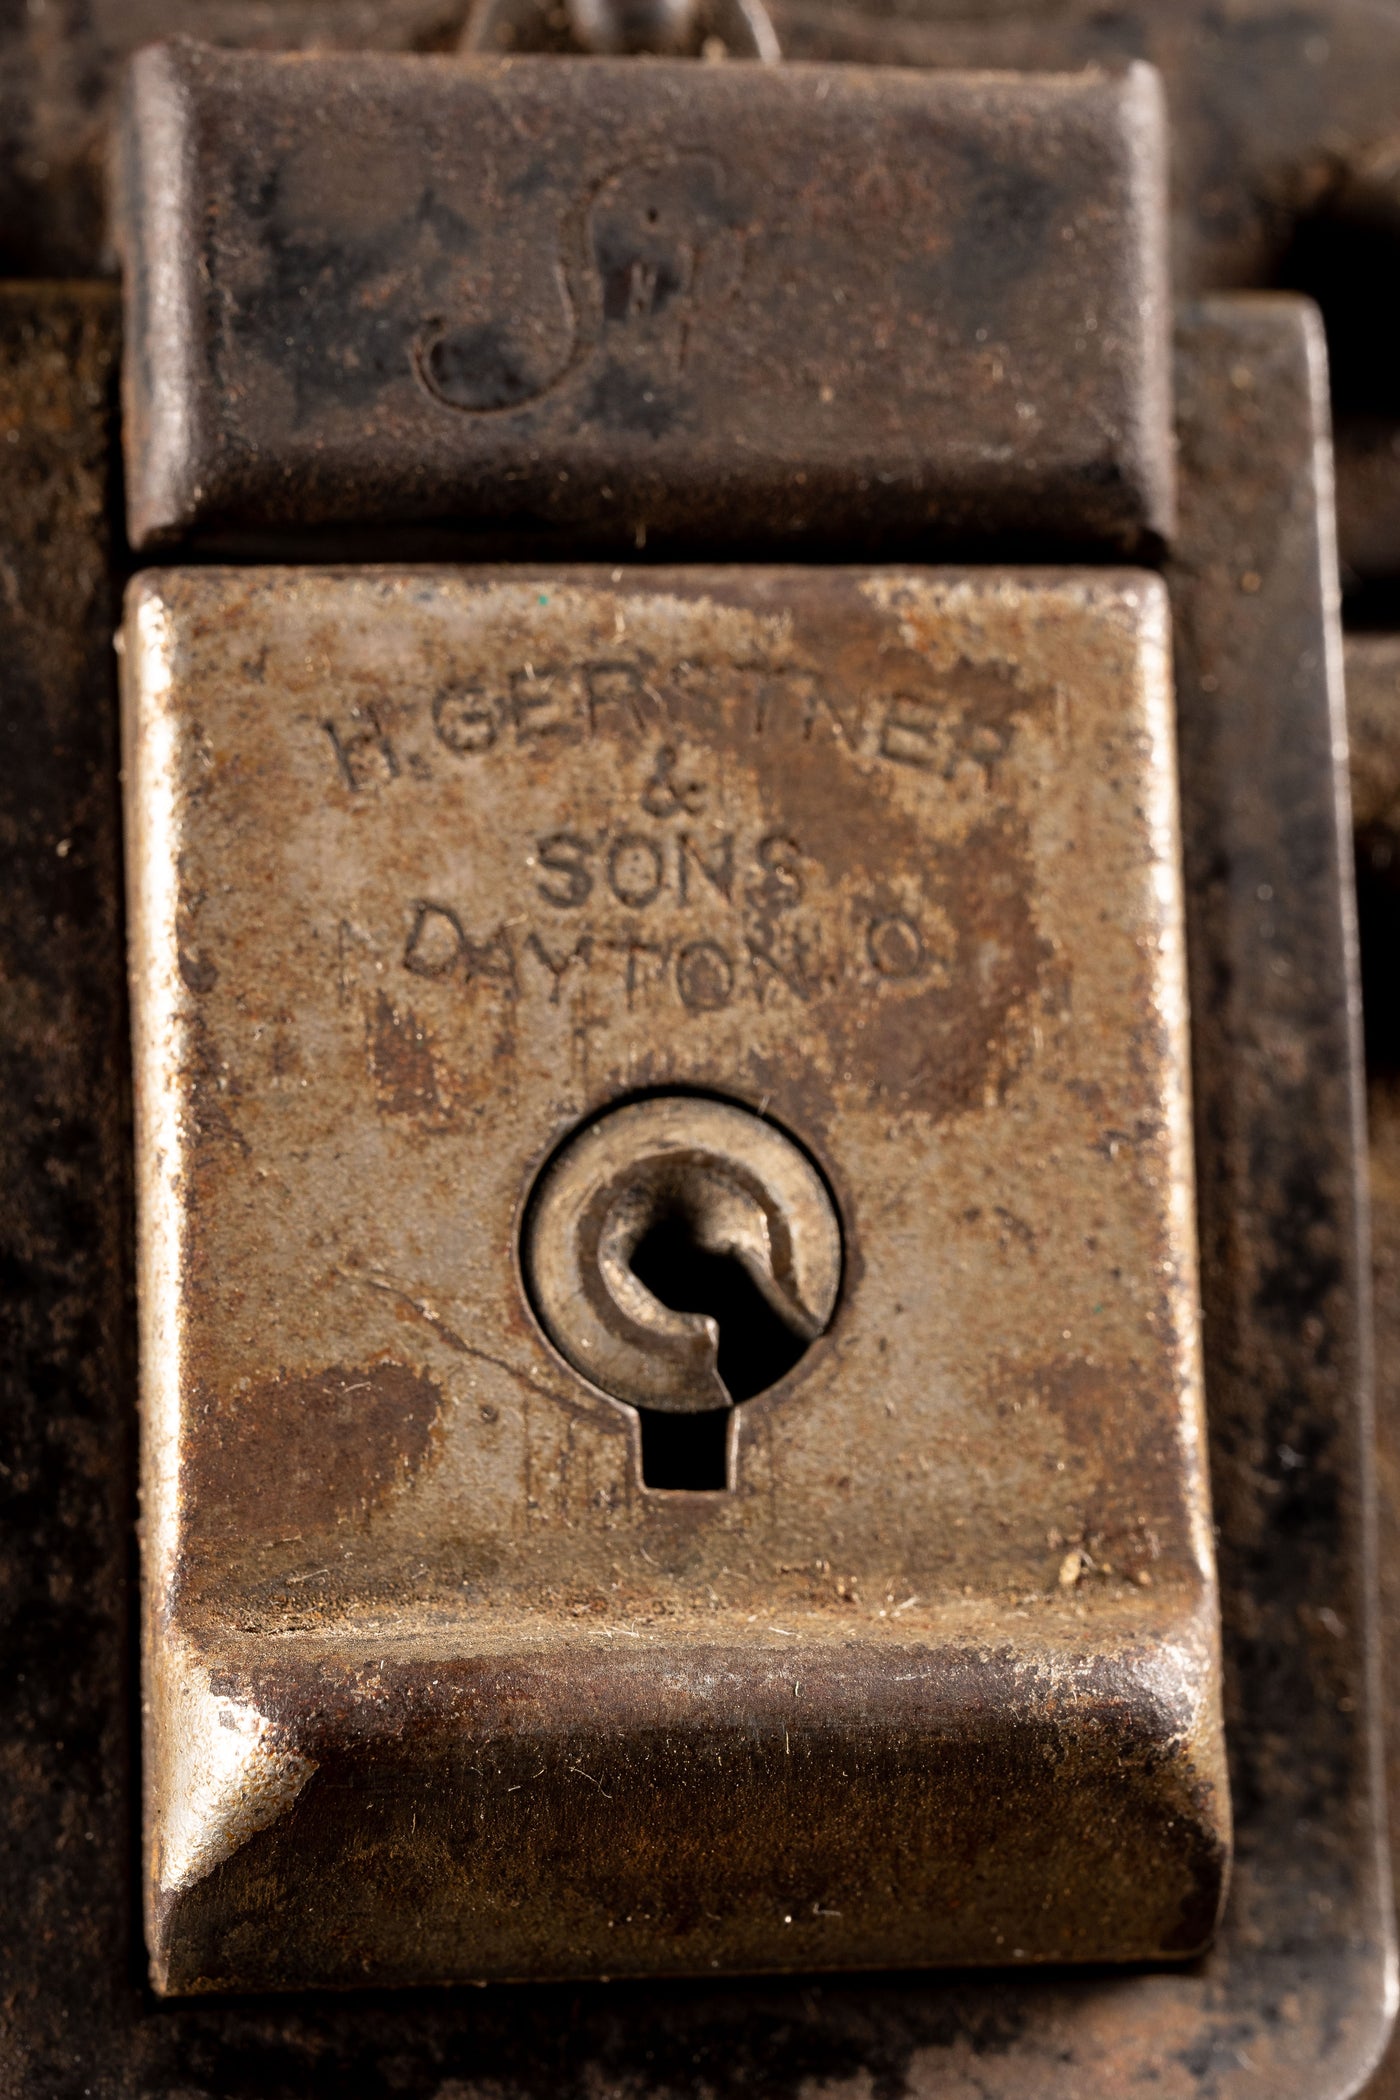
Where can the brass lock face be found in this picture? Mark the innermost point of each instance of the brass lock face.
(451, 888)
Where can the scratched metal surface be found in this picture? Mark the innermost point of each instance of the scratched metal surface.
(1263, 98)
(608, 304)
(1270, 103)
(427, 868)
(1282, 127)
(1282, 121)
(1284, 167)
(1270, 799)
(1290, 2002)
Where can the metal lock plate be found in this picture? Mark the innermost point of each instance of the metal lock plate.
(427, 869)
(604, 303)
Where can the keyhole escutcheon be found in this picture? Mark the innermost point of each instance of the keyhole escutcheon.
(682, 1254)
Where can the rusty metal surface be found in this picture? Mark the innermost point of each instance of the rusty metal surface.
(1383, 1105)
(1373, 718)
(1283, 131)
(612, 303)
(1271, 105)
(1280, 116)
(427, 868)
(1271, 102)
(1288, 2003)
(60, 72)
(1278, 1114)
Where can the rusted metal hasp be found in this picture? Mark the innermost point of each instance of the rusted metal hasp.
(603, 302)
(1279, 1111)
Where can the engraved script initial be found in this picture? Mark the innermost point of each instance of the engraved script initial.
(654, 249)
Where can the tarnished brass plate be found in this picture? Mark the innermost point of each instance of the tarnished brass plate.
(426, 868)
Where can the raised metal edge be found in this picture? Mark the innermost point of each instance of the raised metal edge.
(203, 470)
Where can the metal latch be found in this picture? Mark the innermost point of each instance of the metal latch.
(667, 1340)
(784, 898)
(670, 1314)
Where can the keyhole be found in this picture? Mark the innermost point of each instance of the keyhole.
(682, 1254)
(756, 1349)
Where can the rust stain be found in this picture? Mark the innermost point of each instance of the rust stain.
(308, 1453)
(401, 1062)
(944, 1049)
(940, 1049)
(1131, 1511)
(788, 837)
(212, 1087)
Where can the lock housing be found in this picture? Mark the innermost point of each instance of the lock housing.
(428, 869)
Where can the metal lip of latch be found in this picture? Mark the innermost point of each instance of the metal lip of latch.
(555, 307)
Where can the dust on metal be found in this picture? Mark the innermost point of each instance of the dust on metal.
(602, 303)
(431, 867)
(1277, 1082)
(1373, 722)
(1293, 1989)
(1284, 155)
